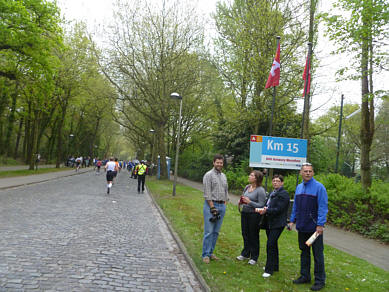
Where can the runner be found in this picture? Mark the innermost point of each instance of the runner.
(111, 168)
(78, 163)
(98, 166)
(117, 170)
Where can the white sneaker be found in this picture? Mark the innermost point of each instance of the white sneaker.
(266, 275)
(252, 262)
(241, 258)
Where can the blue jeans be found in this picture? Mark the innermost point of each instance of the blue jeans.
(211, 229)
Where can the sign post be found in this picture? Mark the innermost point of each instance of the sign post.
(276, 152)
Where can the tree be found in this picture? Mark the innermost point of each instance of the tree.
(154, 51)
(362, 33)
(245, 50)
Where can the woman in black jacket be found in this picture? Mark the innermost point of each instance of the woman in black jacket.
(276, 211)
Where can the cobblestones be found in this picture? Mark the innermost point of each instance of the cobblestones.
(69, 235)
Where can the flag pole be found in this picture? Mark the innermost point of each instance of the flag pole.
(274, 99)
(306, 96)
(271, 119)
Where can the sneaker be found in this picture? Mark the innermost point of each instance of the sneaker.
(206, 260)
(301, 280)
(266, 275)
(241, 258)
(252, 262)
(215, 258)
(317, 286)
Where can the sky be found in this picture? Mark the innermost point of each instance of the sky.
(97, 13)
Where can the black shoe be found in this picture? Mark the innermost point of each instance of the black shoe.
(317, 286)
(108, 191)
(301, 280)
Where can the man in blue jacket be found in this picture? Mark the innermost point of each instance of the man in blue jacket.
(309, 213)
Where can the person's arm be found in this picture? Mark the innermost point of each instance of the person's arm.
(207, 183)
(322, 201)
(281, 202)
(293, 215)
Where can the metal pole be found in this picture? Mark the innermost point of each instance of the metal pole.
(271, 119)
(339, 133)
(306, 96)
(177, 150)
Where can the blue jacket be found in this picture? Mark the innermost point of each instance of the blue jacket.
(310, 206)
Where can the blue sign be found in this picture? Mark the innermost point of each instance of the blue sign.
(276, 152)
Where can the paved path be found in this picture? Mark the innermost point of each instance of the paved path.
(36, 178)
(352, 243)
(67, 234)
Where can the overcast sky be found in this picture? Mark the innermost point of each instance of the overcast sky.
(97, 13)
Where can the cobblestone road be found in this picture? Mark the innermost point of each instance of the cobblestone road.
(69, 235)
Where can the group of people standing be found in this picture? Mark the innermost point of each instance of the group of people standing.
(270, 212)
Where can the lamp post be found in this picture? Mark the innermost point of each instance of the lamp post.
(175, 95)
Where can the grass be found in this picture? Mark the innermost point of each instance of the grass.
(184, 211)
(24, 172)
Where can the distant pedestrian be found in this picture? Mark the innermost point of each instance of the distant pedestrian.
(214, 209)
(141, 171)
(309, 213)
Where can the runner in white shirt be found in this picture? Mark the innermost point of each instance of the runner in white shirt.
(111, 168)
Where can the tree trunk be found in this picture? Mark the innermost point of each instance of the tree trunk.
(18, 137)
(311, 34)
(367, 118)
(59, 136)
(162, 150)
(11, 121)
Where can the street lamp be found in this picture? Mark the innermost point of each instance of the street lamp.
(175, 95)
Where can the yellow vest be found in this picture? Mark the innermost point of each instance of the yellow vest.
(141, 169)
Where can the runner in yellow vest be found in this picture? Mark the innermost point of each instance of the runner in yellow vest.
(141, 171)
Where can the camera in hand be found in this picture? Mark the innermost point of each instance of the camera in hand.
(215, 215)
(241, 202)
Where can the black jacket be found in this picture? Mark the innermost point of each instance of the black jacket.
(277, 212)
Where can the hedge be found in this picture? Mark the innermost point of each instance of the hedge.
(349, 206)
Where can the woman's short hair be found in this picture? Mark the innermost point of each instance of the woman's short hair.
(279, 176)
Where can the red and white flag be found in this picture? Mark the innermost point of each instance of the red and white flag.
(307, 83)
(275, 72)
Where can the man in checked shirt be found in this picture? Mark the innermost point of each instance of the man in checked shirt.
(216, 197)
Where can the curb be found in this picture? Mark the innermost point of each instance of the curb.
(181, 245)
(41, 181)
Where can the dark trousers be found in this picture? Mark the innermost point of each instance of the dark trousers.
(250, 233)
(318, 256)
(141, 180)
(272, 260)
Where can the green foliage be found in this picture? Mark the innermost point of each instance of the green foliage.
(193, 165)
(237, 176)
